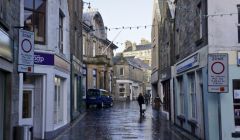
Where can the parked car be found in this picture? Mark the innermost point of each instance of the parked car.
(98, 97)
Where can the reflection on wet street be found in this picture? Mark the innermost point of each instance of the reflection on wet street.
(122, 121)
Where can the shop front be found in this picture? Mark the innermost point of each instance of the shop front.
(6, 69)
(44, 96)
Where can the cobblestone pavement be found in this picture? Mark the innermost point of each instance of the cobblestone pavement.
(120, 122)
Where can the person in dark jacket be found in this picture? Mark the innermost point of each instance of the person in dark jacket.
(140, 100)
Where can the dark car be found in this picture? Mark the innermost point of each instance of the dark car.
(98, 97)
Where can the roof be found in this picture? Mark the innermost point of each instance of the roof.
(138, 63)
(139, 48)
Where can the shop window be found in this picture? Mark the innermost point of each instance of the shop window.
(34, 18)
(181, 96)
(236, 103)
(84, 88)
(75, 92)
(192, 93)
(58, 101)
(122, 89)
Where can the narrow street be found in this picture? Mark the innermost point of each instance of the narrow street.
(122, 121)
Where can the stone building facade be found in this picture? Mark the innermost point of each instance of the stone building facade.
(9, 24)
(142, 51)
(128, 78)
(77, 92)
(97, 53)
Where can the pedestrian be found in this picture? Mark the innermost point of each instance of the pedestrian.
(140, 100)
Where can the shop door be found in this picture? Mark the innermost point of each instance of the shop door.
(2, 86)
(27, 106)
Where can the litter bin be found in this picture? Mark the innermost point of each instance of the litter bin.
(157, 103)
(23, 132)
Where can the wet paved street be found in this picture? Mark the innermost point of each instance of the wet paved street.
(120, 122)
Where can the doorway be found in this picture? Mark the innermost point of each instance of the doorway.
(2, 103)
(27, 105)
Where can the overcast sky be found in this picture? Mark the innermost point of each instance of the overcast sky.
(118, 13)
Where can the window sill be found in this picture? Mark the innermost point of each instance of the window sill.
(181, 118)
(193, 122)
(236, 134)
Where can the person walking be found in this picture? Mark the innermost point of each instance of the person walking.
(140, 100)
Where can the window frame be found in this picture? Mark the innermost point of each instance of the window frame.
(192, 95)
(61, 32)
(58, 103)
(238, 25)
(121, 68)
(181, 96)
(36, 12)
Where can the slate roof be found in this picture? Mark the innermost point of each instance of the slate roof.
(136, 62)
(139, 48)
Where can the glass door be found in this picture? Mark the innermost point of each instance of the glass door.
(27, 107)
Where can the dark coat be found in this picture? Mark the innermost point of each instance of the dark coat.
(140, 99)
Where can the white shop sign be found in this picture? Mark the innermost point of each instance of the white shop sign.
(218, 73)
(190, 63)
(26, 51)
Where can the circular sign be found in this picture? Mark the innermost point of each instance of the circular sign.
(26, 46)
(217, 68)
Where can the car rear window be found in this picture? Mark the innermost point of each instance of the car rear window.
(93, 93)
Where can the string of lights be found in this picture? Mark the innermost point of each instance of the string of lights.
(125, 28)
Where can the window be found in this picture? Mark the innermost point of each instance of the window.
(27, 104)
(84, 45)
(238, 23)
(236, 103)
(94, 78)
(181, 96)
(34, 18)
(58, 101)
(121, 71)
(122, 90)
(1, 8)
(60, 33)
(75, 92)
(94, 49)
(199, 13)
(192, 92)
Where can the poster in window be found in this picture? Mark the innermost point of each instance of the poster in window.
(236, 94)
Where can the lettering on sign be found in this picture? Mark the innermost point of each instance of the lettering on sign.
(218, 73)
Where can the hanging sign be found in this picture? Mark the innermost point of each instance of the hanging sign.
(218, 73)
(26, 51)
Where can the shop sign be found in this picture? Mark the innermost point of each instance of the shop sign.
(218, 73)
(5, 46)
(188, 64)
(26, 51)
(61, 63)
(43, 58)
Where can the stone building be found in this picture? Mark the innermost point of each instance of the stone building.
(166, 51)
(155, 49)
(9, 24)
(44, 94)
(77, 92)
(142, 51)
(128, 78)
(203, 28)
(97, 52)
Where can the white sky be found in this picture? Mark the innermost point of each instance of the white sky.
(118, 13)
